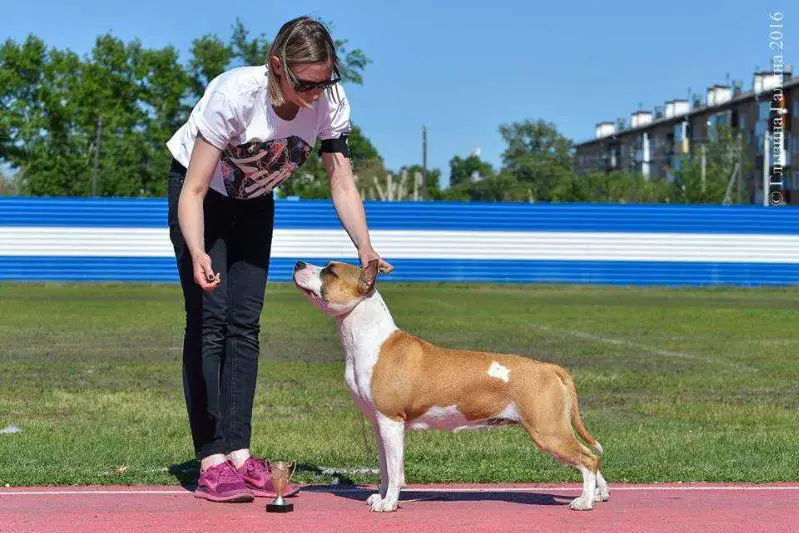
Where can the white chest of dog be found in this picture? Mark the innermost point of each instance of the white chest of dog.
(401, 382)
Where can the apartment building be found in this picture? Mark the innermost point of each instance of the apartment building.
(654, 143)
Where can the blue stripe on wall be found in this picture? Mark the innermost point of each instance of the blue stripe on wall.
(319, 214)
(591, 272)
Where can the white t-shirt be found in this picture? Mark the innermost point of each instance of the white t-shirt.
(260, 149)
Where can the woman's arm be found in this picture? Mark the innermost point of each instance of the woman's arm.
(204, 159)
(349, 207)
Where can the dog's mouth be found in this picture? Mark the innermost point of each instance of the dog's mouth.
(308, 292)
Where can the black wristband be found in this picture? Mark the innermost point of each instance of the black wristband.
(340, 145)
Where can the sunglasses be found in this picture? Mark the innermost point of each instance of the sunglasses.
(303, 86)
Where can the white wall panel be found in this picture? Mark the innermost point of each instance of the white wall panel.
(497, 245)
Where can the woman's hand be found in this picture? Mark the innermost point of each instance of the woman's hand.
(367, 254)
(349, 207)
(204, 273)
(203, 161)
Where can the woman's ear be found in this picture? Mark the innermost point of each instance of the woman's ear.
(277, 68)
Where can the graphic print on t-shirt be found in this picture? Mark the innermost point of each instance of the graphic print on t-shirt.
(255, 168)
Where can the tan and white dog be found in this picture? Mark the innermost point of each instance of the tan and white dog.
(401, 382)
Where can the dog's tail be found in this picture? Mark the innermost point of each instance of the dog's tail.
(576, 419)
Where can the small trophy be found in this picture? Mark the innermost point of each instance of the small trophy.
(281, 472)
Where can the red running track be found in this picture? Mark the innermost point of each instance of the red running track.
(655, 508)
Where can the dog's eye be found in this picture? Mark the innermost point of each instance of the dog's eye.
(329, 271)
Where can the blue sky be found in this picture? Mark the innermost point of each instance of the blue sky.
(462, 68)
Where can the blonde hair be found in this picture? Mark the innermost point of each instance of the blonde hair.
(301, 40)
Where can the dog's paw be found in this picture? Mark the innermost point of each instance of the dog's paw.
(581, 504)
(374, 498)
(601, 495)
(382, 505)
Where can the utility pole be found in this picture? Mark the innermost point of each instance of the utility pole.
(97, 156)
(703, 167)
(740, 169)
(424, 162)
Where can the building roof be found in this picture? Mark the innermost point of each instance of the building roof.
(695, 111)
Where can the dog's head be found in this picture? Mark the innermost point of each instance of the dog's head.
(337, 287)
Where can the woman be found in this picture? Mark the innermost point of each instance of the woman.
(252, 129)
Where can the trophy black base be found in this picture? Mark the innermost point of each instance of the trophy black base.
(276, 508)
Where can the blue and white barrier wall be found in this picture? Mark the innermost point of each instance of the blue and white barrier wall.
(72, 239)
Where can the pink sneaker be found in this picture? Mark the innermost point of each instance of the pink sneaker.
(222, 483)
(259, 481)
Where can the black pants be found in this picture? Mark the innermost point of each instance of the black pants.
(220, 343)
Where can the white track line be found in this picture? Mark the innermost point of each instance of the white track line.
(630, 344)
(421, 489)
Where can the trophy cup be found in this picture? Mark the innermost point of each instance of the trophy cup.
(281, 472)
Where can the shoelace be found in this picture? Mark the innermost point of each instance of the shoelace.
(255, 466)
(228, 473)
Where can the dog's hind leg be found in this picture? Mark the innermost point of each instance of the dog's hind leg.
(564, 448)
(392, 438)
(602, 492)
(551, 429)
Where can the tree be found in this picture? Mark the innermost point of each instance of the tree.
(248, 51)
(536, 159)
(210, 57)
(537, 156)
(610, 187)
(724, 162)
(38, 121)
(5, 185)
(468, 169)
(504, 187)
(433, 179)
(70, 119)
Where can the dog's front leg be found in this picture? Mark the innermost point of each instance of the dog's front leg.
(392, 440)
(381, 455)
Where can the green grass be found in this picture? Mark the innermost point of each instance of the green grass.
(677, 384)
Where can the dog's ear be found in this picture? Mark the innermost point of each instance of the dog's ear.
(368, 277)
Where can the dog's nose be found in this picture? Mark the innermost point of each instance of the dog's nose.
(299, 266)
